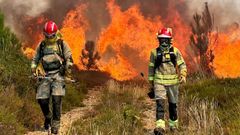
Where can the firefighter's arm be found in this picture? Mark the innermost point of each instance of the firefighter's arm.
(35, 60)
(182, 67)
(151, 73)
(68, 58)
(151, 69)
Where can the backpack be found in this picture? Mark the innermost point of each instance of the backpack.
(159, 59)
(60, 47)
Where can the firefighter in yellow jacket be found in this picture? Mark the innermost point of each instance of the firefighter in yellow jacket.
(167, 70)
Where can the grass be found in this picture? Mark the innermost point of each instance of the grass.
(74, 96)
(117, 113)
(199, 116)
(207, 106)
(224, 94)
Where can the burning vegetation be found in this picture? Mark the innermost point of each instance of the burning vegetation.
(124, 34)
(200, 39)
(89, 57)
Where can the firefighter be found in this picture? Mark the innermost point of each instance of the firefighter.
(167, 70)
(53, 59)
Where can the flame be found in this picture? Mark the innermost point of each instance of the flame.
(226, 53)
(126, 43)
(73, 30)
(29, 52)
(34, 30)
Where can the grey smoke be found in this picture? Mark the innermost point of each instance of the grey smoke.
(15, 9)
(226, 12)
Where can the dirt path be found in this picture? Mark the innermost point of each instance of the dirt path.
(67, 119)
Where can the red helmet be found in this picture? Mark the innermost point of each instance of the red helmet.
(164, 33)
(50, 29)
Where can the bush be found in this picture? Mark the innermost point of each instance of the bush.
(9, 108)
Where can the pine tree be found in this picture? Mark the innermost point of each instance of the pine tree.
(199, 40)
(89, 57)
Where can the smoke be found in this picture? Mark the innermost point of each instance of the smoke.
(21, 15)
(226, 12)
(14, 10)
(28, 7)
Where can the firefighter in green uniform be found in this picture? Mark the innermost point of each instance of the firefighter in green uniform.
(53, 59)
(167, 70)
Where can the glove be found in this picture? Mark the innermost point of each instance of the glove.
(182, 79)
(68, 78)
(62, 70)
(151, 93)
(34, 72)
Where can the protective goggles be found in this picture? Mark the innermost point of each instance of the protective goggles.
(164, 40)
(49, 36)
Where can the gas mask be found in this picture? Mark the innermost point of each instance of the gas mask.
(51, 39)
(164, 43)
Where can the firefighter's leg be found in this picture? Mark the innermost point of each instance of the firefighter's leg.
(172, 93)
(57, 106)
(58, 91)
(44, 104)
(43, 94)
(160, 96)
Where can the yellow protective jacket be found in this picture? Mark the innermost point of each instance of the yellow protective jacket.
(166, 74)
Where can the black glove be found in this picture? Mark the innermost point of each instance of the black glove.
(151, 93)
(62, 70)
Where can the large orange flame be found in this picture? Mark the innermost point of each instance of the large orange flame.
(126, 43)
(73, 30)
(226, 53)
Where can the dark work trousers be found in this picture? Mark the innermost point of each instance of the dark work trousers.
(52, 118)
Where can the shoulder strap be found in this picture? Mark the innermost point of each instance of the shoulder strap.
(42, 46)
(61, 49)
(158, 59)
(173, 56)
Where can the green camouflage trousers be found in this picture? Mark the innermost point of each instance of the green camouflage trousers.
(48, 87)
(163, 92)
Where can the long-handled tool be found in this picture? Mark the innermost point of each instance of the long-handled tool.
(52, 78)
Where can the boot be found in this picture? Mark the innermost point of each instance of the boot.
(160, 127)
(47, 123)
(173, 125)
(55, 127)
